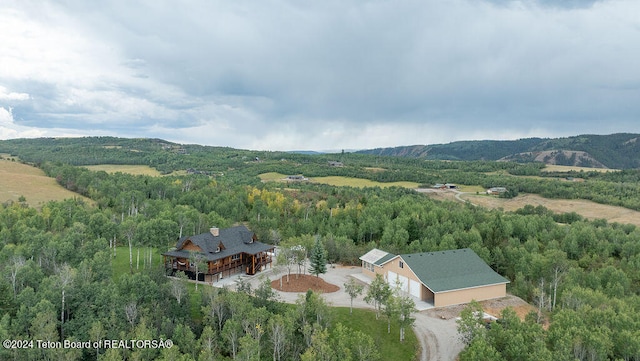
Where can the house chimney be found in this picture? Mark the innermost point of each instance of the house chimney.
(215, 231)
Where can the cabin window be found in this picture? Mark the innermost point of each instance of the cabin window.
(218, 249)
(401, 264)
(235, 257)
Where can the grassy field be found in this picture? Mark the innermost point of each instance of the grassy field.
(585, 208)
(567, 168)
(471, 189)
(339, 181)
(129, 169)
(17, 179)
(361, 183)
(272, 177)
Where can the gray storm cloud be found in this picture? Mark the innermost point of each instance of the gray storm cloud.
(329, 75)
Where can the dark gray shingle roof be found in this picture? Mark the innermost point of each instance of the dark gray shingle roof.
(235, 240)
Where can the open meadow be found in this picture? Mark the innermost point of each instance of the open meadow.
(588, 209)
(340, 181)
(17, 179)
(123, 168)
(570, 168)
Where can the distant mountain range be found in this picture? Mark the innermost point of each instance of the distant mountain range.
(617, 151)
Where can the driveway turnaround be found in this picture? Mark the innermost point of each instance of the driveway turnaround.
(438, 337)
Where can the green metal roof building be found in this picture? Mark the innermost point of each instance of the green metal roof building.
(442, 278)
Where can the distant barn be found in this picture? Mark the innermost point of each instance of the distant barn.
(296, 178)
(496, 190)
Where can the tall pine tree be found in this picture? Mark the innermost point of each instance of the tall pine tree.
(318, 259)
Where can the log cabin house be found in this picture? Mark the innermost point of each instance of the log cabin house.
(225, 252)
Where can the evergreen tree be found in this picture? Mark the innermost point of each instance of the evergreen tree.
(318, 259)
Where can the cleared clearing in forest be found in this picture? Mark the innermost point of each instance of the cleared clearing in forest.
(124, 168)
(569, 168)
(340, 181)
(17, 179)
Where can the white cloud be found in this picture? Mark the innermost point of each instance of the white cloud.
(9, 130)
(5, 94)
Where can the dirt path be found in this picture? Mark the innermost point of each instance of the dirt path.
(438, 338)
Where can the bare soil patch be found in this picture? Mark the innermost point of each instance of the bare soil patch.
(492, 307)
(495, 307)
(303, 283)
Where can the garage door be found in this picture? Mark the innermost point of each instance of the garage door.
(415, 288)
(404, 283)
(391, 278)
(396, 280)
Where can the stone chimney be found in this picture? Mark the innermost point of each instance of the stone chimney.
(215, 231)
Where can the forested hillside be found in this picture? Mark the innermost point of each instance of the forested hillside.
(56, 263)
(616, 151)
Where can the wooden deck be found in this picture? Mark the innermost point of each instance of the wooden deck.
(250, 265)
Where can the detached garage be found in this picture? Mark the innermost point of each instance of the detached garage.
(442, 278)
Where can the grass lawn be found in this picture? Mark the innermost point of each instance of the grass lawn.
(389, 344)
(120, 264)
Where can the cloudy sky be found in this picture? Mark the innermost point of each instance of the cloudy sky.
(321, 75)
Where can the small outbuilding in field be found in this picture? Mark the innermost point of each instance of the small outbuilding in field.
(441, 278)
(444, 186)
(296, 178)
(496, 190)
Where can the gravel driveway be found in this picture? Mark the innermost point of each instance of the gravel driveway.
(438, 337)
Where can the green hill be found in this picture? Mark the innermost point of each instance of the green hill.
(620, 151)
